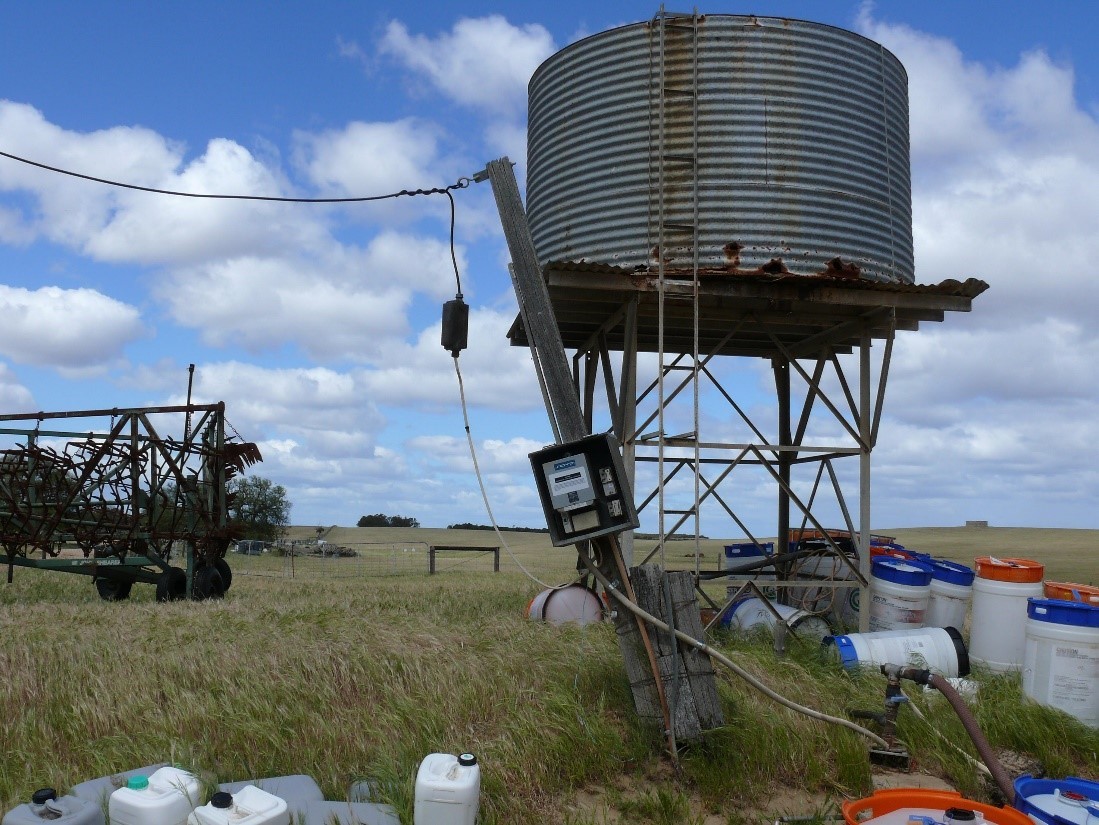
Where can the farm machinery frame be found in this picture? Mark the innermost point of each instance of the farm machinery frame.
(112, 495)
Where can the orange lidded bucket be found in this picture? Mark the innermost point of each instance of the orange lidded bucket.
(1010, 570)
(1086, 593)
(905, 805)
(997, 623)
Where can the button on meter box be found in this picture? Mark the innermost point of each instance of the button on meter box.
(583, 489)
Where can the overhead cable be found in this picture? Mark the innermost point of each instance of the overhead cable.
(461, 183)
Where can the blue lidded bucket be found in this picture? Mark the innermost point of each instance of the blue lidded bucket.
(951, 594)
(1061, 657)
(899, 592)
(1070, 801)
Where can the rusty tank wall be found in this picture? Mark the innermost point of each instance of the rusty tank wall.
(801, 148)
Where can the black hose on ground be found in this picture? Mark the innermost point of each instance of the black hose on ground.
(969, 722)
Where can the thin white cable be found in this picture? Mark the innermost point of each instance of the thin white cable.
(484, 493)
(981, 766)
(719, 657)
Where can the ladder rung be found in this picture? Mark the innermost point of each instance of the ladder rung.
(680, 512)
(689, 159)
(680, 227)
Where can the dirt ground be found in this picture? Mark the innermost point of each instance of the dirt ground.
(593, 802)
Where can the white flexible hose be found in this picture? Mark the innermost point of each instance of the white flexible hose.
(729, 663)
(484, 493)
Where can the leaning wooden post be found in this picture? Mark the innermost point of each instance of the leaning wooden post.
(647, 676)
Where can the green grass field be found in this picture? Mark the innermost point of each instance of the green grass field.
(360, 677)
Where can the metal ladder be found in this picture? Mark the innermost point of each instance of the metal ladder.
(674, 96)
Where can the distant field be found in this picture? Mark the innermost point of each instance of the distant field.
(1069, 555)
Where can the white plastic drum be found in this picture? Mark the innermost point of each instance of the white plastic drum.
(899, 593)
(575, 603)
(755, 614)
(737, 555)
(841, 603)
(997, 626)
(248, 806)
(1061, 657)
(940, 650)
(448, 790)
(165, 798)
(951, 593)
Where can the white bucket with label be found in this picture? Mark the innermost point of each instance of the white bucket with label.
(755, 614)
(248, 806)
(938, 649)
(575, 603)
(997, 625)
(951, 593)
(1061, 657)
(167, 797)
(899, 592)
(448, 790)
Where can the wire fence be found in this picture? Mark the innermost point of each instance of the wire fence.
(312, 560)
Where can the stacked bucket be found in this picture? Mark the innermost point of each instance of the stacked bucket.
(1048, 631)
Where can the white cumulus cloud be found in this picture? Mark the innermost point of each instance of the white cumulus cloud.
(65, 328)
(482, 62)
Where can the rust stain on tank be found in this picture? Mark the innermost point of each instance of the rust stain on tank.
(732, 255)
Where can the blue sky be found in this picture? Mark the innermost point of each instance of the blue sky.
(319, 325)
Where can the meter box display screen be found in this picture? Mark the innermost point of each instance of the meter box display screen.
(583, 489)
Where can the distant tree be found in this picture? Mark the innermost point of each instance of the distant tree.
(382, 520)
(258, 508)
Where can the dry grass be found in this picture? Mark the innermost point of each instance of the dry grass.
(361, 678)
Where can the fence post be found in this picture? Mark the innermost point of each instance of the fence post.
(431, 559)
(496, 560)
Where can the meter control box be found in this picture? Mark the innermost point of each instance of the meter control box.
(583, 489)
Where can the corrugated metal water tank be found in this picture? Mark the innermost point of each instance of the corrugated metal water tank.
(798, 134)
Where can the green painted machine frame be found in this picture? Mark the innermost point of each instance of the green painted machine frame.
(109, 494)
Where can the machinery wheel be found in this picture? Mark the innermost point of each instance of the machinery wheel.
(172, 585)
(113, 590)
(208, 584)
(222, 566)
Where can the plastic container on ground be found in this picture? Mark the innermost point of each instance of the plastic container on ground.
(896, 807)
(349, 813)
(298, 790)
(575, 603)
(737, 555)
(938, 649)
(45, 806)
(166, 797)
(248, 806)
(448, 790)
(755, 614)
(1061, 657)
(899, 593)
(1069, 801)
(1086, 593)
(841, 604)
(98, 790)
(951, 593)
(997, 624)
